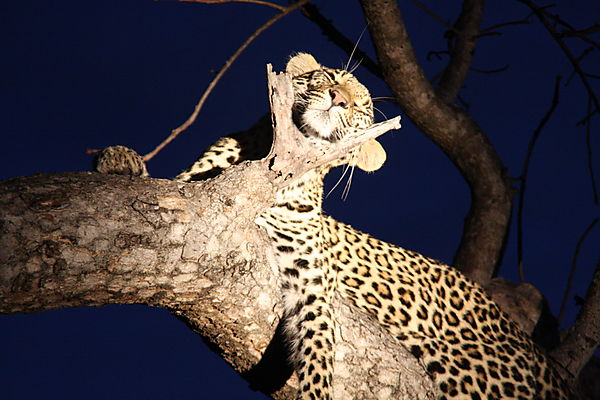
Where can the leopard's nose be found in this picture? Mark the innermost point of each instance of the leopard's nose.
(338, 99)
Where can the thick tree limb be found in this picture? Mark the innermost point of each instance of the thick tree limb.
(583, 338)
(461, 52)
(91, 239)
(455, 132)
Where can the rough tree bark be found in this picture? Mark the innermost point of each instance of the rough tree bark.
(451, 128)
(89, 239)
(582, 340)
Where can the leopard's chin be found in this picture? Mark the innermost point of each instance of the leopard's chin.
(321, 124)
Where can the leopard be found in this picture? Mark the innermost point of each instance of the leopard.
(466, 344)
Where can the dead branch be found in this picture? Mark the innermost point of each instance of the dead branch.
(490, 30)
(289, 166)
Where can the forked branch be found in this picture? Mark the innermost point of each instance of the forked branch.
(292, 153)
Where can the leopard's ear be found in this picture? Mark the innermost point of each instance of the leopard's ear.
(370, 157)
(301, 63)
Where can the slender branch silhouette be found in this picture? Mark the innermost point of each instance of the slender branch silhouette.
(264, 3)
(565, 299)
(175, 132)
(525, 169)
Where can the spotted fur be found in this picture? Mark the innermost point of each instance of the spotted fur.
(467, 345)
(120, 160)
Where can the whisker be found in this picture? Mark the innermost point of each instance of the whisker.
(380, 112)
(345, 169)
(384, 98)
(353, 156)
(354, 49)
(355, 66)
(348, 184)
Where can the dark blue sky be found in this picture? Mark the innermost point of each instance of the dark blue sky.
(80, 74)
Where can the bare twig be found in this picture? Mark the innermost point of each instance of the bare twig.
(583, 55)
(490, 71)
(580, 242)
(581, 32)
(216, 79)
(590, 164)
(437, 54)
(592, 76)
(593, 103)
(264, 3)
(532, 142)
(490, 29)
(311, 12)
(466, 105)
(541, 15)
(433, 15)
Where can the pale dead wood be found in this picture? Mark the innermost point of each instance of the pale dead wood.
(92, 239)
(308, 154)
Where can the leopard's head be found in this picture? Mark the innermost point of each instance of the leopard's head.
(331, 103)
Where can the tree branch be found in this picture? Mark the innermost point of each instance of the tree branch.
(192, 118)
(83, 239)
(566, 295)
(435, 16)
(524, 171)
(583, 338)
(456, 133)
(461, 53)
(264, 3)
(540, 14)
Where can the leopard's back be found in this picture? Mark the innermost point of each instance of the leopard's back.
(251, 144)
(469, 347)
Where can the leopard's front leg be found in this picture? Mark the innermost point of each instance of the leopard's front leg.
(309, 328)
(307, 288)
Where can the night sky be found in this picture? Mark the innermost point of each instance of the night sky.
(82, 74)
